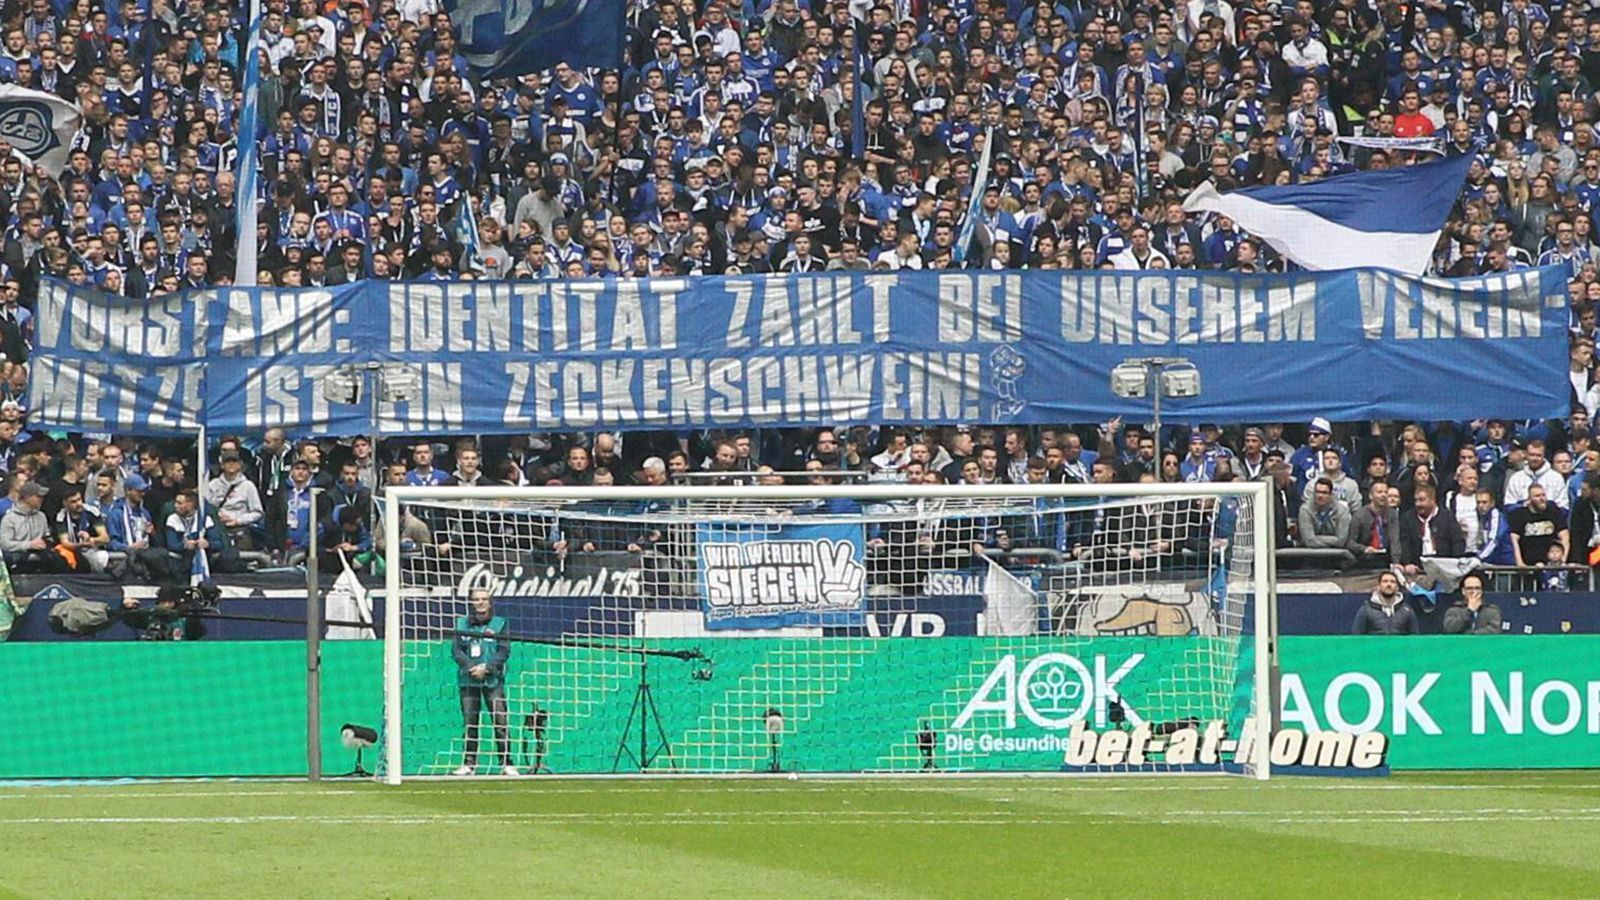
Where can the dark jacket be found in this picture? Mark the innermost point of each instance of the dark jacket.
(1372, 618)
(1448, 540)
(1460, 620)
(1361, 533)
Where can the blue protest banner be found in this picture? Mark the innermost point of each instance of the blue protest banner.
(776, 576)
(832, 349)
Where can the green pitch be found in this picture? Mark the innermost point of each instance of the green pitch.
(1472, 835)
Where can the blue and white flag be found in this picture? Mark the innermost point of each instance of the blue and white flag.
(39, 125)
(514, 37)
(467, 233)
(1388, 220)
(247, 185)
(980, 184)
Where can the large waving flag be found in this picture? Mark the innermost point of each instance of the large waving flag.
(247, 186)
(1388, 220)
(39, 125)
(515, 37)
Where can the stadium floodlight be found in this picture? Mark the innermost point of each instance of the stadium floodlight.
(1130, 380)
(1152, 627)
(1176, 378)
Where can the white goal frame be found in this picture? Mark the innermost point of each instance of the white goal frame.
(1263, 571)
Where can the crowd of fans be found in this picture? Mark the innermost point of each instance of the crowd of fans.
(1507, 494)
(727, 144)
(727, 141)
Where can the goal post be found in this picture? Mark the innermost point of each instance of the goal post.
(821, 628)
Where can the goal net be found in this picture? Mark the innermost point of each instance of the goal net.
(826, 629)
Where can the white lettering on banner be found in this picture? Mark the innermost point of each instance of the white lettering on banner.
(158, 398)
(1555, 706)
(826, 314)
(526, 317)
(1161, 310)
(1082, 747)
(970, 310)
(438, 409)
(775, 577)
(881, 286)
(532, 580)
(1053, 690)
(285, 393)
(1405, 702)
(288, 322)
(815, 388)
(1493, 307)
(106, 325)
(920, 625)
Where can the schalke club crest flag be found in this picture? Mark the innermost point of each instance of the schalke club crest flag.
(515, 37)
(38, 125)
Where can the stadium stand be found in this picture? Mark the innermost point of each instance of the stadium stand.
(725, 146)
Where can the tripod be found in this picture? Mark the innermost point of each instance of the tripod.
(360, 771)
(643, 714)
(535, 722)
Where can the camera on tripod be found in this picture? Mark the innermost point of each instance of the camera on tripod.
(195, 600)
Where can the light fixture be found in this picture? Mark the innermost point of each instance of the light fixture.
(1130, 380)
(342, 386)
(1176, 378)
(399, 384)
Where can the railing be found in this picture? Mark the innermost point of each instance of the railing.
(1518, 579)
(789, 476)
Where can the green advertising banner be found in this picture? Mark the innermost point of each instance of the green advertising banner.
(108, 709)
(141, 709)
(847, 704)
(1481, 702)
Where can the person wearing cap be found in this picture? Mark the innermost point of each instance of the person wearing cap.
(131, 528)
(1252, 460)
(1199, 464)
(294, 518)
(1307, 461)
(236, 501)
(25, 534)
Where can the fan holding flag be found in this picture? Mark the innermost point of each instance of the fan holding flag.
(1388, 219)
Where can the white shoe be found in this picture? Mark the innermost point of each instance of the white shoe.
(462, 771)
(510, 770)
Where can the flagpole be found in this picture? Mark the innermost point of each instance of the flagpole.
(980, 183)
(858, 100)
(245, 187)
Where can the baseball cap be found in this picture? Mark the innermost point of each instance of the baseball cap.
(559, 159)
(135, 482)
(33, 489)
(1321, 424)
(1196, 436)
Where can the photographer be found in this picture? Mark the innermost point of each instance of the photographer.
(175, 616)
(481, 658)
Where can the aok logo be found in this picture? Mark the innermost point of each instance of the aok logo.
(1053, 690)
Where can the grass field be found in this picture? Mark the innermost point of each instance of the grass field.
(1469, 835)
